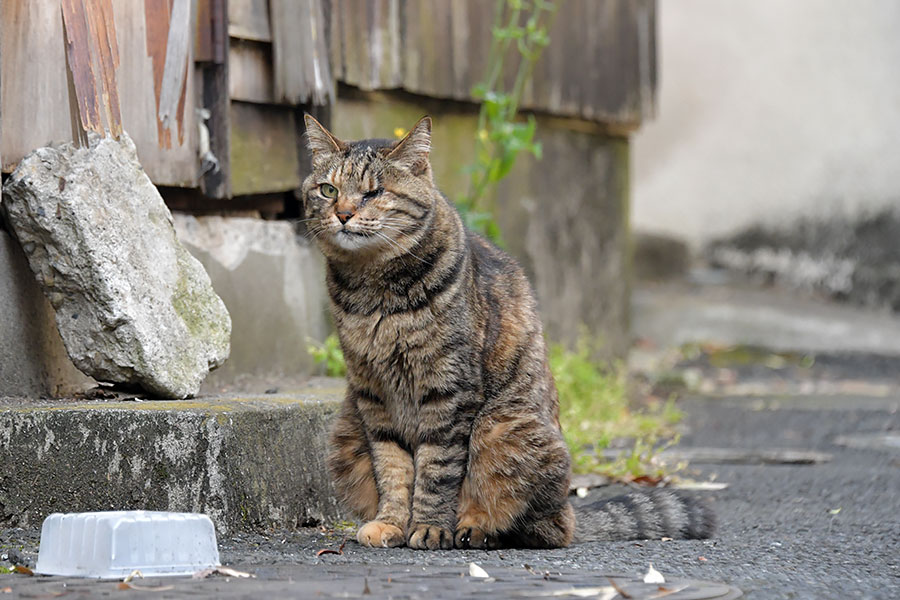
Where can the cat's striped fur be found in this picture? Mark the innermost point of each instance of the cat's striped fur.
(449, 434)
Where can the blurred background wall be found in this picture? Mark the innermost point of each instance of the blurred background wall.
(770, 111)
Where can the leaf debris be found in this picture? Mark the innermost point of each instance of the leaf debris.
(340, 549)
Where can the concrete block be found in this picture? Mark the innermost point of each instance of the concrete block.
(273, 286)
(250, 463)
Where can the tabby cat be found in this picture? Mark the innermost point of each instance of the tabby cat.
(449, 434)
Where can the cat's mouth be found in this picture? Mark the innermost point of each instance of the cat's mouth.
(351, 240)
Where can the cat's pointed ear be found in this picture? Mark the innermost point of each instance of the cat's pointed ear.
(319, 140)
(412, 151)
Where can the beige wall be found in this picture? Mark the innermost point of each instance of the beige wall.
(770, 110)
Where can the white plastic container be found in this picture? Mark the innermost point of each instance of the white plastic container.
(110, 545)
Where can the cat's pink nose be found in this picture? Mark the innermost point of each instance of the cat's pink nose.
(343, 216)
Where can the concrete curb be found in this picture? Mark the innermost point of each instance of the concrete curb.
(249, 462)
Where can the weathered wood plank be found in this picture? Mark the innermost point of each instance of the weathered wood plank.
(78, 55)
(170, 107)
(103, 31)
(249, 20)
(212, 26)
(366, 43)
(263, 149)
(250, 77)
(35, 97)
(177, 165)
(299, 52)
(600, 64)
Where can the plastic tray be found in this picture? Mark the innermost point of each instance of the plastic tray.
(110, 545)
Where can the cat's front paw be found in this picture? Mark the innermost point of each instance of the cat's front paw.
(474, 537)
(379, 534)
(430, 537)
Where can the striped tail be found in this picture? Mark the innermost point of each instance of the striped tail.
(645, 515)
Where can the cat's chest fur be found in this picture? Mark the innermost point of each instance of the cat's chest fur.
(399, 356)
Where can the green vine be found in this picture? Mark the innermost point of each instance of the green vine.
(500, 134)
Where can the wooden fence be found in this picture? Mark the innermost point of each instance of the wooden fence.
(211, 90)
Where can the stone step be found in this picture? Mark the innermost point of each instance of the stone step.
(249, 462)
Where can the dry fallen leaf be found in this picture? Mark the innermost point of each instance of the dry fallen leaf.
(476, 571)
(23, 570)
(647, 480)
(124, 585)
(618, 588)
(340, 549)
(653, 576)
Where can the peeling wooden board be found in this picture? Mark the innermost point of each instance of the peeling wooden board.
(366, 41)
(34, 79)
(250, 77)
(600, 64)
(177, 165)
(178, 46)
(103, 32)
(300, 54)
(78, 55)
(92, 59)
(263, 149)
(35, 98)
(249, 20)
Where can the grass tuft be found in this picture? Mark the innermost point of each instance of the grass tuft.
(595, 414)
(329, 356)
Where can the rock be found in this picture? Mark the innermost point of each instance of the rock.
(274, 287)
(132, 305)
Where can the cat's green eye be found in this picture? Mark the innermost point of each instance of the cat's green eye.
(328, 190)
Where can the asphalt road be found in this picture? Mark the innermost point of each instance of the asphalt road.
(829, 530)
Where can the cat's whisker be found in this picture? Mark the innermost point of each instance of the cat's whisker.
(401, 248)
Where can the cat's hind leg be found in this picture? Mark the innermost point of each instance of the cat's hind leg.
(350, 464)
(518, 468)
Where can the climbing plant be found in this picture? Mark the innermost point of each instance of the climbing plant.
(520, 28)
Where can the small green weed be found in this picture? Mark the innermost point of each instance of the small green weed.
(519, 35)
(594, 412)
(329, 355)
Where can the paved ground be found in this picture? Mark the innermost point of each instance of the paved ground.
(827, 530)
(778, 535)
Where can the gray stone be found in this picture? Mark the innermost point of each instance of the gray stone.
(33, 360)
(250, 463)
(132, 305)
(274, 287)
